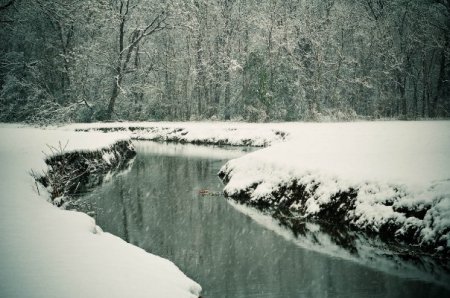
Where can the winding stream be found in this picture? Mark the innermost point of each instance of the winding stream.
(233, 251)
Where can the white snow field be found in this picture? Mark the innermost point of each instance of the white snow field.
(390, 167)
(49, 252)
(226, 133)
(396, 172)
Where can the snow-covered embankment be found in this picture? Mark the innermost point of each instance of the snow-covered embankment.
(205, 133)
(391, 179)
(73, 173)
(49, 252)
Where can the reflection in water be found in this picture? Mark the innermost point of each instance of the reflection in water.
(353, 246)
(157, 206)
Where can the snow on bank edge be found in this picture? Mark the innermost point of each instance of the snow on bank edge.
(387, 178)
(213, 133)
(390, 177)
(49, 252)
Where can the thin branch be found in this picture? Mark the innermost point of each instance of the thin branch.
(5, 6)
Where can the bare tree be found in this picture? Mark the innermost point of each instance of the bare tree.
(126, 47)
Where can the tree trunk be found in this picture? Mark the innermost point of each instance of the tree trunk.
(440, 83)
(217, 72)
(416, 101)
(112, 99)
(227, 95)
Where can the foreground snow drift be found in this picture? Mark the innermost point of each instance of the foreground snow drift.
(388, 178)
(49, 252)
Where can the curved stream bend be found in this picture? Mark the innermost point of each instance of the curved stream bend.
(234, 251)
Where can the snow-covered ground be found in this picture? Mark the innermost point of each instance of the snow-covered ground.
(395, 173)
(218, 133)
(49, 252)
(390, 177)
(383, 177)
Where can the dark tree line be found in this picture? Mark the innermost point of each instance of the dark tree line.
(256, 60)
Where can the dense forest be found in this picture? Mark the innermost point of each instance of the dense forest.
(250, 60)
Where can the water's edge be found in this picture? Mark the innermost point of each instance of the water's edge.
(84, 171)
(70, 174)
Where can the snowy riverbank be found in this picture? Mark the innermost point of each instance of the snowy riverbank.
(49, 252)
(207, 133)
(388, 178)
(391, 179)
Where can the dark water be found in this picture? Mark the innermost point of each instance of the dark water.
(156, 206)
